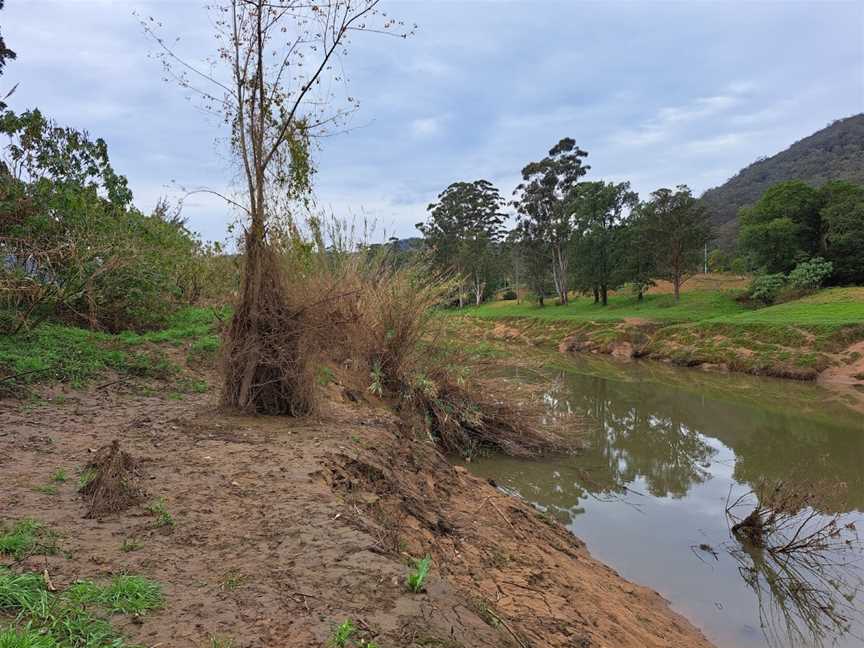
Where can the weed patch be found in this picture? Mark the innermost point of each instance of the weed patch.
(416, 580)
(26, 538)
(124, 594)
(66, 619)
(160, 511)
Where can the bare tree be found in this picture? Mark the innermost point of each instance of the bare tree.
(272, 82)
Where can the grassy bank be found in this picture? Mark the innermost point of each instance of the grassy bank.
(798, 339)
(54, 352)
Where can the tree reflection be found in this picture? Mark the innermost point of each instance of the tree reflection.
(643, 438)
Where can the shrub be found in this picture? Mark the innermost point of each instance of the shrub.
(74, 246)
(509, 294)
(766, 288)
(810, 274)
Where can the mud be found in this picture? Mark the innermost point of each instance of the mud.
(284, 528)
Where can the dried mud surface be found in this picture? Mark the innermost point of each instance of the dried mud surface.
(284, 528)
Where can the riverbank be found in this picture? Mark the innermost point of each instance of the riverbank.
(820, 336)
(262, 531)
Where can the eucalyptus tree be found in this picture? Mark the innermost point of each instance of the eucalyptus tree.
(272, 82)
(534, 251)
(463, 229)
(542, 199)
(600, 209)
(633, 257)
(677, 230)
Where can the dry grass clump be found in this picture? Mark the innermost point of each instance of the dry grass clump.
(368, 312)
(393, 334)
(110, 482)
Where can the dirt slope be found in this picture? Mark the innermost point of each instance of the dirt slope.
(284, 529)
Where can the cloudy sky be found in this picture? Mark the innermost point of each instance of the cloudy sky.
(658, 93)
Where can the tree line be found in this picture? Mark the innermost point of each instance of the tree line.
(570, 235)
(593, 237)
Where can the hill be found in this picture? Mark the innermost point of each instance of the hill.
(833, 153)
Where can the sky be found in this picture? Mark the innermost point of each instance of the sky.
(658, 93)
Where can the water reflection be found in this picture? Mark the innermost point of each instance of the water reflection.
(664, 448)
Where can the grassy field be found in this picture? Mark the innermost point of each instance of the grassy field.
(831, 307)
(797, 339)
(694, 305)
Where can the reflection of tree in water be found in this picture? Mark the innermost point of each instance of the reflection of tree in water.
(802, 600)
(643, 437)
(801, 565)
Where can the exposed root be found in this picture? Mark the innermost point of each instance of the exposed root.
(111, 482)
(267, 365)
(465, 419)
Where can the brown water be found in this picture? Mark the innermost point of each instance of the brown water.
(665, 449)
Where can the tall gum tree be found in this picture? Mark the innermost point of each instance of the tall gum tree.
(272, 83)
(600, 209)
(543, 199)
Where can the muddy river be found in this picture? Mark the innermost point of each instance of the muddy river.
(667, 450)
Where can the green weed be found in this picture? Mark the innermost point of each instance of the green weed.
(124, 594)
(417, 578)
(59, 476)
(26, 638)
(163, 517)
(324, 375)
(342, 634)
(377, 384)
(25, 538)
(46, 489)
(232, 580)
(63, 619)
(131, 544)
(19, 591)
(221, 642)
(86, 477)
(191, 386)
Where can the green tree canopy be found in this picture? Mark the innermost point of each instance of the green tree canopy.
(599, 210)
(843, 226)
(783, 227)
(543, 198)
(462, 230)
(676, 230)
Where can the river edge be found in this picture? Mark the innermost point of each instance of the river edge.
(286, 528)
(802, 353)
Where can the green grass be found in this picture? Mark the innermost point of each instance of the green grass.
(416, 580)
(55, 352)
(833, 307)
(67, 619)
(25, 538)
(26, 638)
(19, 591)
(694, 305)
(59, 476)
(122, 595)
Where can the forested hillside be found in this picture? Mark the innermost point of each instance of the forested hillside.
(833, 153)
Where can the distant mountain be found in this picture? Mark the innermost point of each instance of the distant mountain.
(833, 153)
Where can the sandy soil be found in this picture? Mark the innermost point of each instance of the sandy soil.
(286, 528)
